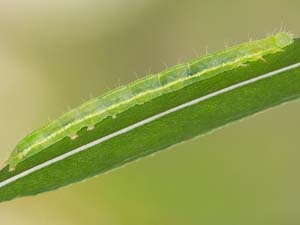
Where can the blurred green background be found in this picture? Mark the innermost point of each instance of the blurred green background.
(55, 54)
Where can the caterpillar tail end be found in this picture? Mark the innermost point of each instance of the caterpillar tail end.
(12, 162)
(3, 164)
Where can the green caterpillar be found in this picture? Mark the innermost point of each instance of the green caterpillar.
(143, 90)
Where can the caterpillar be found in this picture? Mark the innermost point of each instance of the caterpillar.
(141, 91)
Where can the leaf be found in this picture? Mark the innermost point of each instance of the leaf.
(166, 120)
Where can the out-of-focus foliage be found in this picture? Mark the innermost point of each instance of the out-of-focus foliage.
(54, 52)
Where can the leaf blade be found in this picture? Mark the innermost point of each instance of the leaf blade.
(163, 132)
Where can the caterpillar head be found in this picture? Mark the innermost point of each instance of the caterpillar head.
(283, 39)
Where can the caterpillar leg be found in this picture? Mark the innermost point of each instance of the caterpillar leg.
(74, 137)
(262, 58)
(12, 168)
(89, 128)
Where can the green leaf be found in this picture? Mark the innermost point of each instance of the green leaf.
(143, 129)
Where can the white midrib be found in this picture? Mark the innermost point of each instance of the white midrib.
(143, 122)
